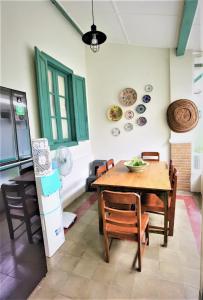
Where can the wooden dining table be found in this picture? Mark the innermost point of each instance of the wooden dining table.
(154, 179)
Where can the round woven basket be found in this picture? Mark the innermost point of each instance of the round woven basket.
(182, 115)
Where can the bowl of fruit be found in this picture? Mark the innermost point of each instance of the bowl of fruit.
(136, 165)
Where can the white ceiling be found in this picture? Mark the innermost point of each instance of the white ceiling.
(144, 23)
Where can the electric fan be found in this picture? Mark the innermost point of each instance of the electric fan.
(64, 162)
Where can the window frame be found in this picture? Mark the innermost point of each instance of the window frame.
(46, 127)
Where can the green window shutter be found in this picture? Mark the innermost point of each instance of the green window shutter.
(42, 90)
(80, 108)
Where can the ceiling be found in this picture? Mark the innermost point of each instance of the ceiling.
(139, 22)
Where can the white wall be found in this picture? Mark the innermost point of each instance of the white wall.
(114, 68)
(38, 23)
(181, 81)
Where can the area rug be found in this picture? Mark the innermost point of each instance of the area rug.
(81, 210)
(193, 212)
(194, 216)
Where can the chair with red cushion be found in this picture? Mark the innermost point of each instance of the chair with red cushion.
(110, 164)
(101, 170)
(120, 222)
(153, 204)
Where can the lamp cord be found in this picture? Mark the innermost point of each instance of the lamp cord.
(92, 12)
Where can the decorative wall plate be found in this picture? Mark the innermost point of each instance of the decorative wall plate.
(128, 126)
(140, 109)
(115, 131)
(114, 113)
(141, 121)
(148, 88)
(128, 97)
(129, 114)
(182, 115)
(146, 98)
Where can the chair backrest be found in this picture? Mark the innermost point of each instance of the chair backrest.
(174, 187)
(116, 210)
(150, 156)
(110, 164)
(13, 196)
(27, 169)
(101, 170)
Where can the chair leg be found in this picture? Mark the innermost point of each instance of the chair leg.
(139, 253)
(10, 227)
(171, 221)
(147, 234)
(29, 231)
(106, 247)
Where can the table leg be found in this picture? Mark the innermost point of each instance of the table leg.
(99, 211)
(165, 198)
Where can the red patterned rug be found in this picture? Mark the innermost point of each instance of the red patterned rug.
(194, 216)
(193, 211)
(81, 210)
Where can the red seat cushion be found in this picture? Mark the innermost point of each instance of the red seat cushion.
(126, 230)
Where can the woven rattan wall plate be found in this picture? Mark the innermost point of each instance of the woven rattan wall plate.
(182, 115)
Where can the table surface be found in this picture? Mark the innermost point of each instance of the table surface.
(154, 177)
(25, 178)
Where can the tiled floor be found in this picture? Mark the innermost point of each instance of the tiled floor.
(78, 271)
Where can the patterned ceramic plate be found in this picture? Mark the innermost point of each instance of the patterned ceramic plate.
(141, 121)
(148, 88)
(128, 97)
(140, 109)
(114, 113)
(129, 114)
(146, 98)
(115, 131)
(128, 126)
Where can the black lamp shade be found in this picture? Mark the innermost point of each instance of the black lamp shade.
(88, 36)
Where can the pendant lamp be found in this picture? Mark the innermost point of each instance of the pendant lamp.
(94, 38)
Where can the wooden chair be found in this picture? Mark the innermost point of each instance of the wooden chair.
(101, 171)
(19, 206)
(153, 204)
(122, 223)
(93, 174)
(110, 164)
(154, 156)
(30, 188)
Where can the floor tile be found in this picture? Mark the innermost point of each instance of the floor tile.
(86, 267)
(76, 287)
(118, 292)
(191, 277)
(169, 290)
(191, 293)
(104, 273)
(67, 263)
